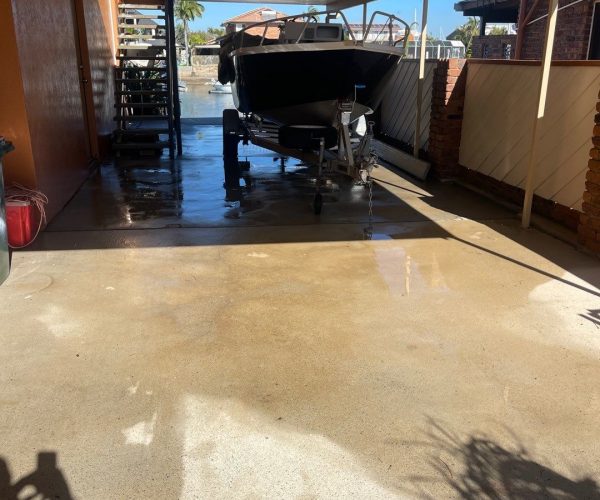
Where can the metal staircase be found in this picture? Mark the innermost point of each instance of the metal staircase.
(146, 82)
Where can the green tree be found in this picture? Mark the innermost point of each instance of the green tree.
(198, 38)
(187, 11)
(216, 32)
(498, 30)
(466, 33)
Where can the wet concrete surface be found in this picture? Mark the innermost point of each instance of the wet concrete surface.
(278, 355)
(152, 194)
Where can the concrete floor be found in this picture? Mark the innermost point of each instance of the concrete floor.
(158, 342)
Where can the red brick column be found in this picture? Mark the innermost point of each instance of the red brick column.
(589, 222)
(447, 103)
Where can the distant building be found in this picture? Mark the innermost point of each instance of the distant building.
(577, 28)
(436, 49)
(257, 15)
(379, 32)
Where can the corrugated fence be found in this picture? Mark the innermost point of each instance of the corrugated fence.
(398, 109)
(500, 106)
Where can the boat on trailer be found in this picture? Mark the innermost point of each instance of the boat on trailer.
(301, 77)
(311, 85)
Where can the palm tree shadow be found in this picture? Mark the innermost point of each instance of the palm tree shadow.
(490, 471)
(47, 481)
(592, 315)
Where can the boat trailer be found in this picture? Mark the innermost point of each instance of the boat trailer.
(330, 149)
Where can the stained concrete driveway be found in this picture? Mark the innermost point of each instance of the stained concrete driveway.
(184, 352)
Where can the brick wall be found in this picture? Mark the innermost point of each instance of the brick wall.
(565, 216)
(572, 31)
(448, 97)
(589, 225)
(447, 103)
(495, 46)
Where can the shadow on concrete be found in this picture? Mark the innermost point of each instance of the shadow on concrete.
(592, 315)
(559, 253)
(47, 481)
(593, 280)
(480, 468)
(188, 193)
(156, 202)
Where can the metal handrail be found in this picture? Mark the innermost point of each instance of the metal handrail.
(391, 18)
(308, 15)
(312, 17)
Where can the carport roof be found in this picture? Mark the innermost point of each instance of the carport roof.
(492, 10)
(326, 4)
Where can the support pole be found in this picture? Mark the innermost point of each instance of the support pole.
(520, 28)
(113, 36)
(524, 18)
(420, 84)
(364, 28)
(542, 94)
(171, 47)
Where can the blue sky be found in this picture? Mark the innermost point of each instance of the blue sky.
(441, 13)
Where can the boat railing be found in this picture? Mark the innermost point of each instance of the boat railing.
(309, 16)
(329, 14)
(390, 24)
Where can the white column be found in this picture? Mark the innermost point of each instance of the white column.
(364, 29)
(541, 108)
(423, 39)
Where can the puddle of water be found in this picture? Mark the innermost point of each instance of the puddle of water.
(404, 275)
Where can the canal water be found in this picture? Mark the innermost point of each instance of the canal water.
(197, 102)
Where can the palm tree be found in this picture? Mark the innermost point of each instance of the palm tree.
(187, 11)
(466, 33)
(311, 10)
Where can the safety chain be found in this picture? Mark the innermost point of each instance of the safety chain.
(368, 231)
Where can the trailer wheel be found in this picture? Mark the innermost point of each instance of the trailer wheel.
(318, 203)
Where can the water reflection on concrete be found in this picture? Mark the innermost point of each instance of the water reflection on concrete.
(188, 192)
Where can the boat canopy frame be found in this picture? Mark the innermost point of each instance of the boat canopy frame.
(312, 17)
(329, 4)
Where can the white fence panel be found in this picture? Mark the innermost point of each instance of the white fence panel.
(399, 106)
(500, 105)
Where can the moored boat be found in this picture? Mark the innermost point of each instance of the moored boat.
(219, 88)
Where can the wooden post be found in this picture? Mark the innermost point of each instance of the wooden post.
(524, 18)
(520, 29)
(85, 79)
(542, 94)
(417, 143)
(114, 41)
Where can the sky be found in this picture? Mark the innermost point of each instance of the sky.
(442, 17)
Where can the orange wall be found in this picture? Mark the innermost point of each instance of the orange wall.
(99, 16)
(41, 105)
(46, 39)
(18, 165)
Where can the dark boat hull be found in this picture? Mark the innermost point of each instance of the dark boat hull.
(302, 83)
